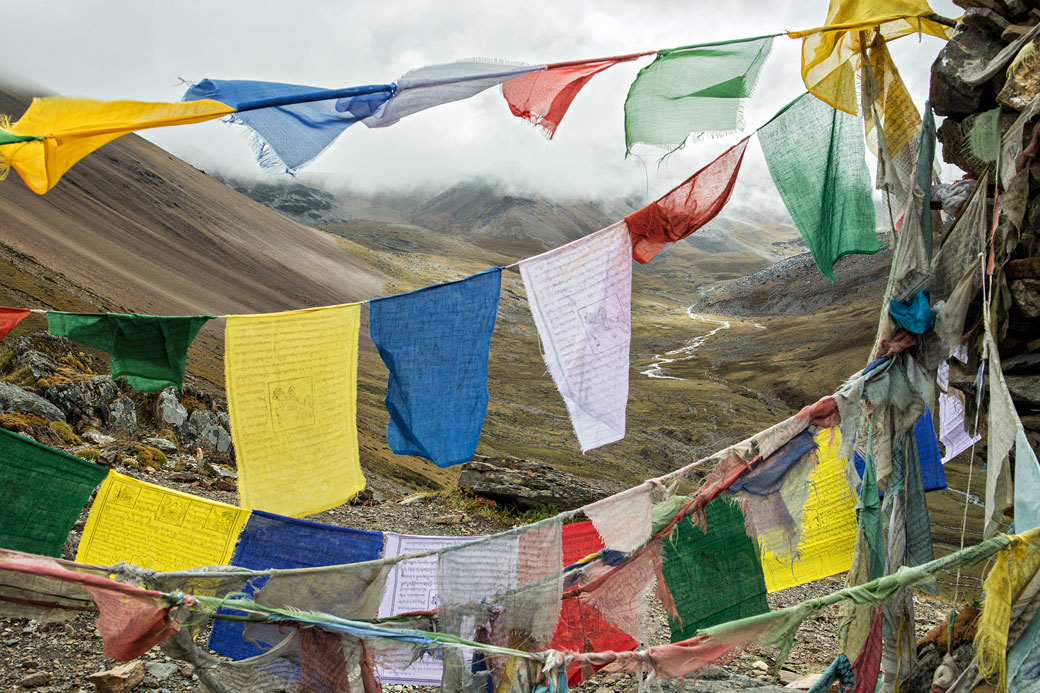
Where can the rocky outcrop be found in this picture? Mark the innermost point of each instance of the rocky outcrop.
(85, 402)
(205, 429)
(524, 484)
(14, 398)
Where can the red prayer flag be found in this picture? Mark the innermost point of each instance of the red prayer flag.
(687, 207)
(9, 317)
(543, 97)
(581, 627)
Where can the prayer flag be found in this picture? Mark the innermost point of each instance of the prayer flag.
(693, 90)
(687, 207)
(290, 135)
(831, 54)
(816, 157)
(292, 398)
(157, 528)
(828, 531)
(933, 475)
(435, 343)
(899, 119)
(42, 492)
(72, 128)
(953, 433)
(272, 541)
(10, 317)
(543, 97)
(580, 296)
(149, 350)
(713, 576)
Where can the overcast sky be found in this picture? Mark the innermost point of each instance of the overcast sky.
(129, 49)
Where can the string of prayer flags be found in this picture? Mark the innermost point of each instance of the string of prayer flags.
(543, 97)
(831, 54)
(157, 528)
(713, 576)
(816, 157)
(272, 541)
(42, 492)
(687, 207)
(149, 350)
(691, 90)
(70, 129)
(292, 399)
(435, 342)
(292, 135)
(828, 527)
(10, 317)
(580, 296)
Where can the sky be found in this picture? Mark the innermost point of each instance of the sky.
(128, 49)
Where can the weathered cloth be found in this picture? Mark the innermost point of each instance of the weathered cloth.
(953, 433)
(157, 528)
(917, 315)
(10, 317)
(687, 207)
(292, 398)
(816, 156)
(840, 672)
(1002, 425)
(70, 129)
(932, 473)
(42, 491)
(435, 342)
(580, 296)
(273, 541)
(695, 89)
(149, 350)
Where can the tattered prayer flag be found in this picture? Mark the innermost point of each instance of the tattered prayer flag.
(816, 157)
(932, 472)
(10, 317)
(693, 90)
(543, 97)
(149, 350)
(892, 102)
(828, 532)
(272, 541)
(953, 433)
(73, 128)
(687, 207)
(156, 528)
(435, 342)
(713, 577)
(292, 398)
(831, 54)
(580, 296)
(42, 492)
(582, 627)
(292, 135)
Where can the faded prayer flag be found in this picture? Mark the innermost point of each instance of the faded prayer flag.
(157, 528)
(953, 431)
(543, 97)
(292, 135)
(149, 350)
(70, 129)
(435, 342)
(581, 299)
(828, 532)
(713, 576)
(687, 207)
(693, 90)
(10, 317)
(933, 475)
(816, 157)
(292, 398)
(272, 541)
(42, 492)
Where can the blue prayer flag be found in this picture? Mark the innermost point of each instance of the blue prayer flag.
(273, 541)
(435, 343)
(932, 472)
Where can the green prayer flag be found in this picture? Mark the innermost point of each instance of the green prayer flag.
(693, 90)
(817, 158)
(984, 136)
(42, 492)
(149, 350)
(714, 577)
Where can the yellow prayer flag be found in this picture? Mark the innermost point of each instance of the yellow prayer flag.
(292, 398)
(900, 119)
(828, 527)
(157, 528)
(73, 128)
(831, 54)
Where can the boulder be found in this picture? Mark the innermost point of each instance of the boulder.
(122, 418)
(121, 679)
(85, 402)
(1025, 388)
(205, 431)
(985, 19)
(524, 484)
(161, 444)
(949, 94)
(1026, 295)
(1023, 83)
(14, 398)
(169, 411)
(97, 437)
